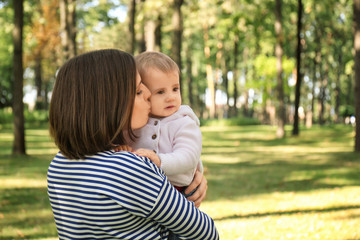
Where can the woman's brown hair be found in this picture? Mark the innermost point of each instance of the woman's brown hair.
(92, 102)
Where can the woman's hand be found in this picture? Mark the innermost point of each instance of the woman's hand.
(199, 195)
(119, 148)
(149, 154)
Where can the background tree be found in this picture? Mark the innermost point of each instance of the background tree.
(298, 70)
(68, 28)
(228, 52)
(43, 47)
(357, 71)
(131, 14)
(18, 104)
(177, 22)
(6, 56)
(279, 55)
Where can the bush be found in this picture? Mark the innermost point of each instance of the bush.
(6, 116)
(241, 121)
(347, 111)
(36, 117)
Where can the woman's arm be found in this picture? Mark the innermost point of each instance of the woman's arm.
(180, 216)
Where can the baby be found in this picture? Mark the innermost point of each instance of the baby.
(172, 137)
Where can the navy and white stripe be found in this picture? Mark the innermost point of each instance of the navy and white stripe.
(118, 195)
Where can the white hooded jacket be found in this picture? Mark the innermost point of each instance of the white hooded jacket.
(177, 141)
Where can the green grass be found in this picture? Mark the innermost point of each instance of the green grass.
(260, 187)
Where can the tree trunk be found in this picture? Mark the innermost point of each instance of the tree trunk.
(68, 28)
(177, 24)
(71, 21)
(318, 69)
(235, 74)
(324, 86)
(246, 92)
(357, 72)
(38, 83)
(219, 113)
(142, 42)
(225, 70)
(150, 27)
(158, 38)
(298, 71)
(310, 112)
(131, 14)
(209, 72)
(18, 104)
(338, 89)
(280, 133)
(189, 76)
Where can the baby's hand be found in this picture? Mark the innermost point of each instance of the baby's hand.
(150, 154)
(123, 148)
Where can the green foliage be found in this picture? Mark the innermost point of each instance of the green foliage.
(6, 61)
(347, 111)
(251, 22)
(32, 118)
(6, 116)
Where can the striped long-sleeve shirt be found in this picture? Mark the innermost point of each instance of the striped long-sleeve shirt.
(118, 195)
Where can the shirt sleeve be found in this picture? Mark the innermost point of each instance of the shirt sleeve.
(187, 146)
(180, 216)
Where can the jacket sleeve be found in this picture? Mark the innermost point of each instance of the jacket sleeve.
(180, 216)
(187, 146)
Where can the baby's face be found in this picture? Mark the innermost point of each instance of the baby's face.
(165, 92)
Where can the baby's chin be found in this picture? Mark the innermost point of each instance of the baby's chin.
(157, 116)
(160, 115)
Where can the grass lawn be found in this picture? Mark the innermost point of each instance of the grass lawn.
(260, 187)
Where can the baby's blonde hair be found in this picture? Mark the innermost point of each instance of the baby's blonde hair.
(155, 60)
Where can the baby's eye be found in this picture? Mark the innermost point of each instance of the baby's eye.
(139, 92)
(176, 89)
(160, 92)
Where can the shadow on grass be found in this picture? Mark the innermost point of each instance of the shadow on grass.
(24, 166)
(265, 136)
(26, 214)
(250, 160)
(17, 200)
(293, 173)
(291, 212)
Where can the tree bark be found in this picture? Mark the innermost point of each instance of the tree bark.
(337, 90)
(158, 36)
(189, 76)
(357, 72)
(18, 104)
(131, 14)
(280, 133)
(177, 24)
(150, 27)
(246, 91)
(235, 74)
(38, 83)
(324, 86)
(209, 72)
(68, 28)
(225, 70)
(298, 71)
(318, 69)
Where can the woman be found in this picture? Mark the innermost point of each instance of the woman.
(96, 192)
